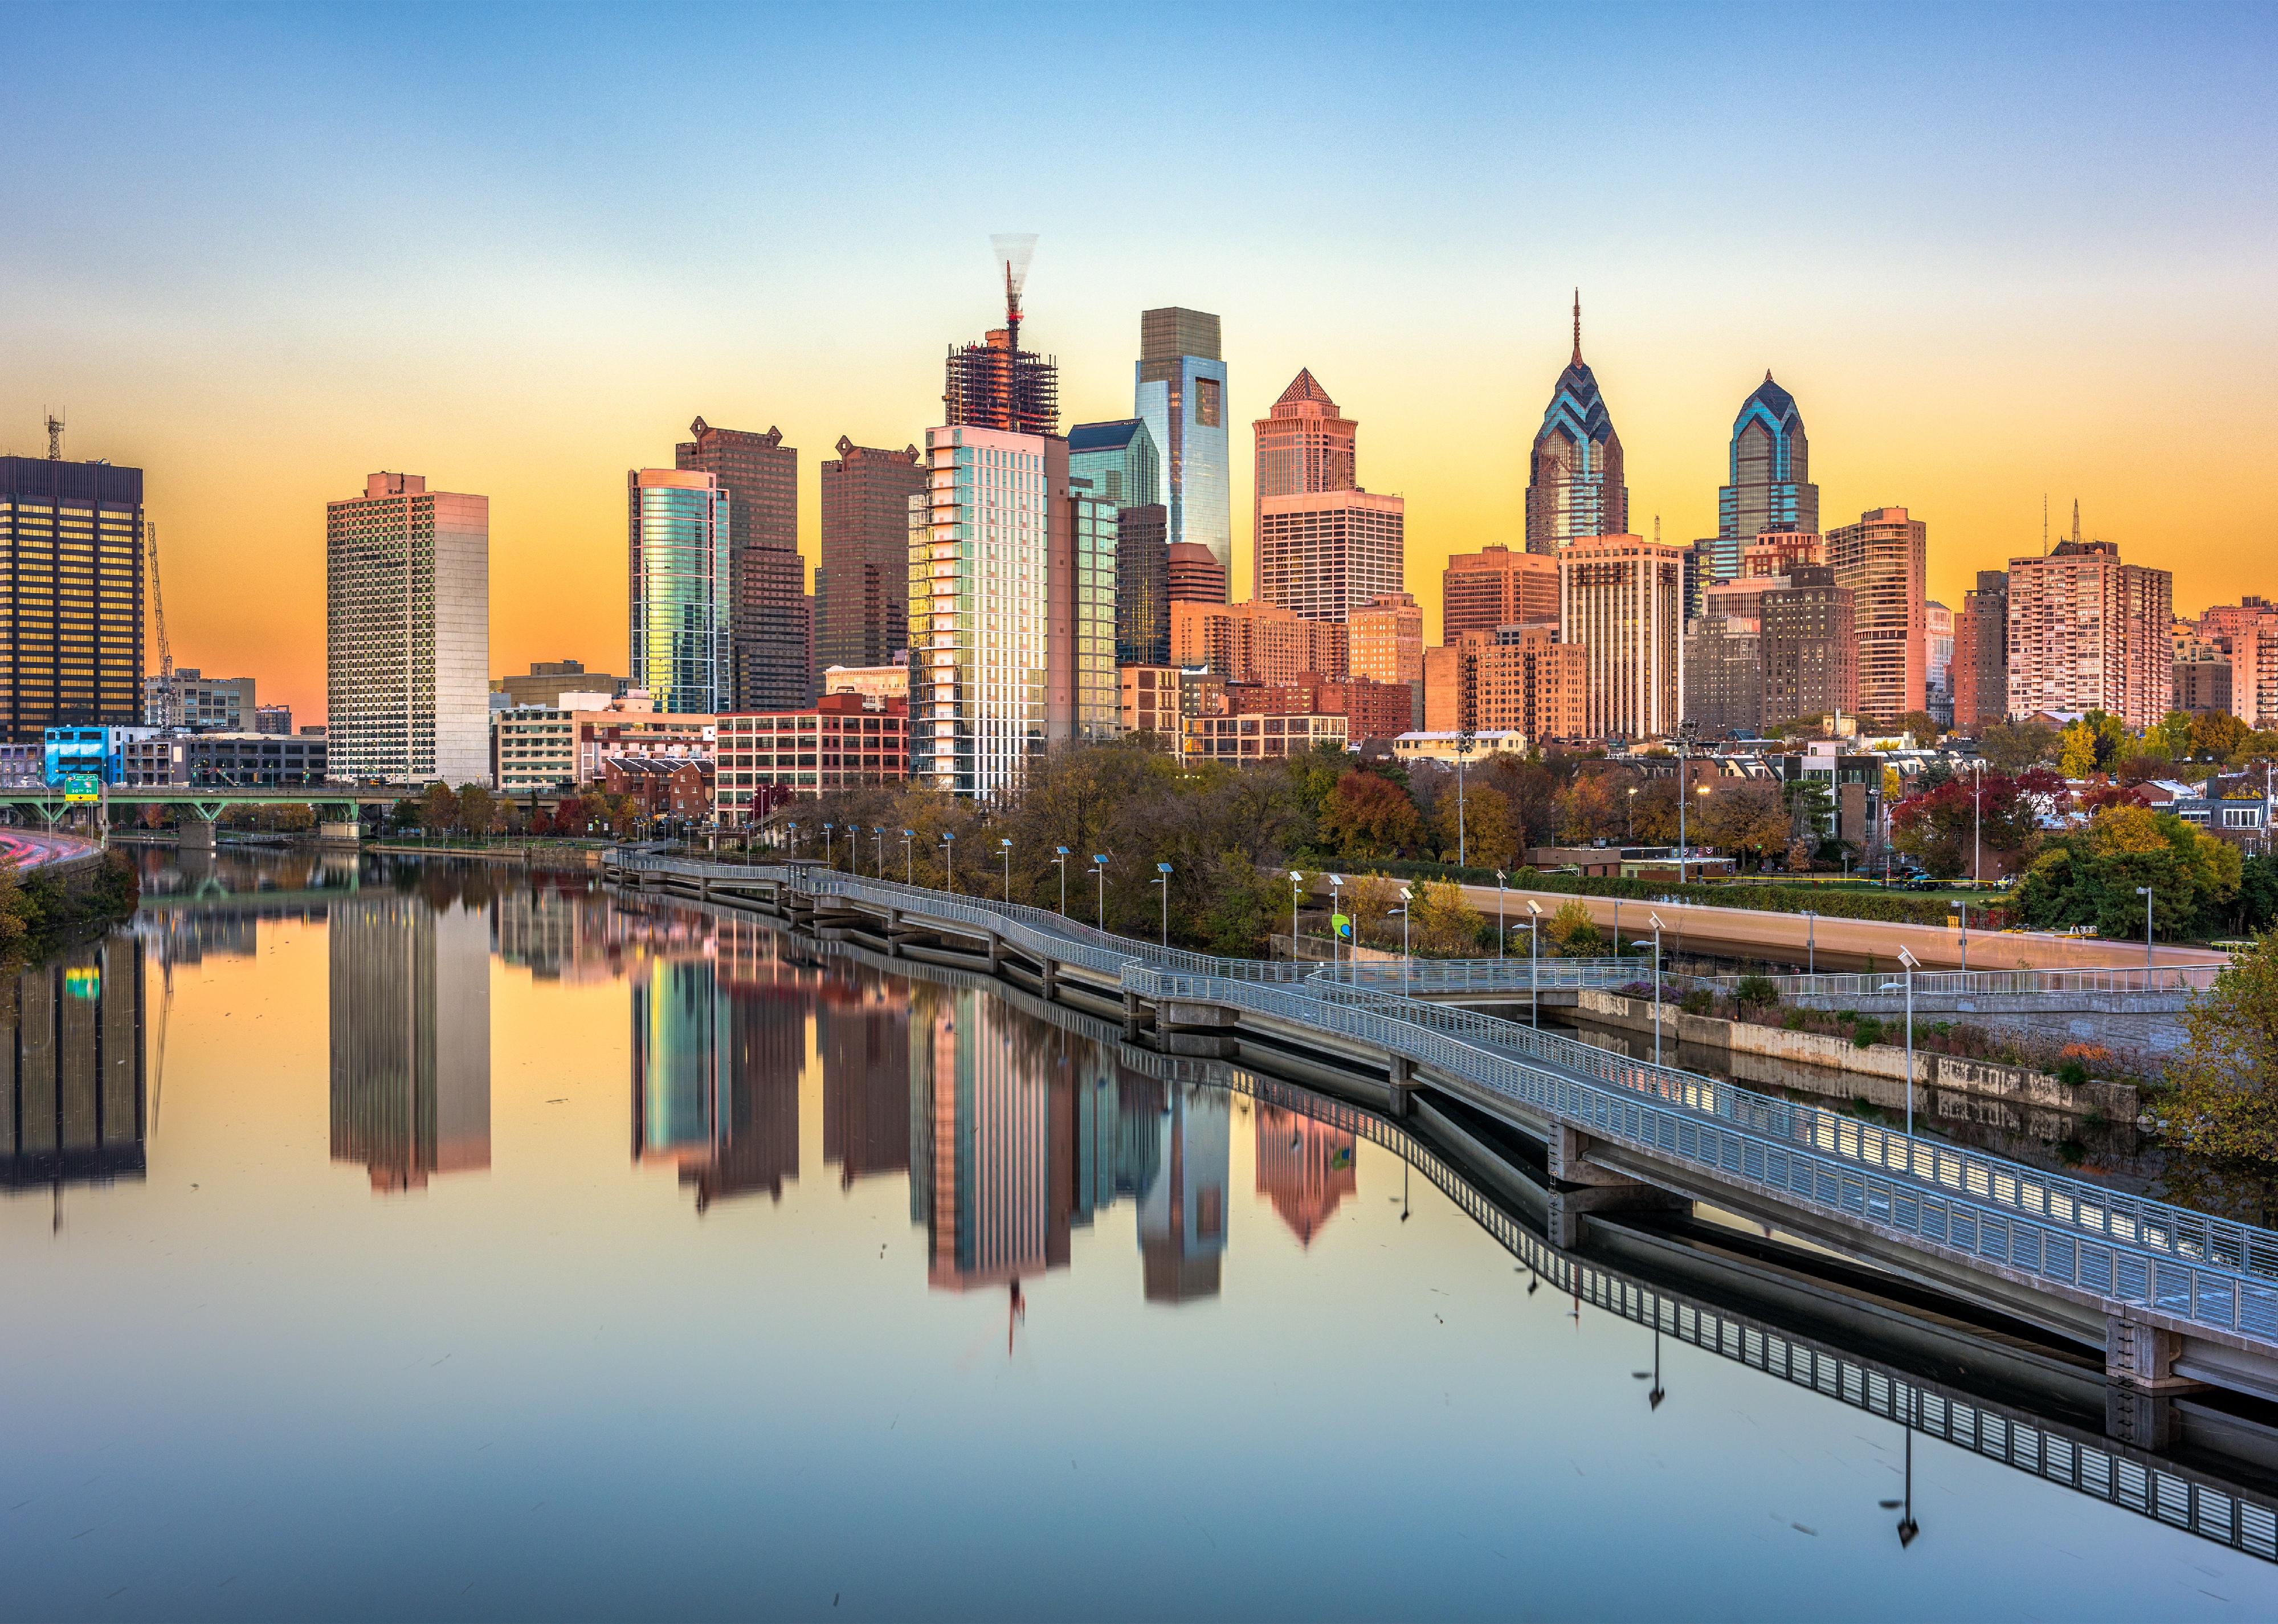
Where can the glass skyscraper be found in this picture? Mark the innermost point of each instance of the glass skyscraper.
(1181, 394)
(1769, 467)
(1120, 459)
(1575, 482)
(677, 525)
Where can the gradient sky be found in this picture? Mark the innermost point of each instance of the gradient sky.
(262, 252)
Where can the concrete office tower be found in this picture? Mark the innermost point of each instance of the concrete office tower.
(1883, 560)
(1769, 465)
(1937, 660)
(1724, 663)
(1323, 554)
(862, 586)
(678, 528)
(1493, 587)
(2089, 632)
(1623, 599)
(1575, 481)
(1303, 445)
(406, 634)
(1256, 642)
(1120, 460)
(1775, 552)
(1196, 574)
(1810, 651)
(1520, 680)
(1142, 584)
(410, 991)
(1012, 610)
(996, 384)
(1179, 390)
(1385, 639)
(770, 616)
(71, 554)
(1983, 652)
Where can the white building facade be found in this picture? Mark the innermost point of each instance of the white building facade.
(406, 634)
(1623, 599)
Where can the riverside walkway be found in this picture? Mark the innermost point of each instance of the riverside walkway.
(2174, 1300)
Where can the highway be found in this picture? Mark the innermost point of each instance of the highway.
(30, 849)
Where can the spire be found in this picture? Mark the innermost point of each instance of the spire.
(1577, 326)
(2075, 518)
(1768, 374)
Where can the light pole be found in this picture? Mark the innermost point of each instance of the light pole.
(1059, 860)
(1684, 794)
(1629, 821)
(1336, 919)
(1163, 878)
(1407, 964)
(1654, 919)
(1005, 846)
(909, 861)
(1910, 964)
(1534, 961)
(1964, 907)
(949, 858)
(1099, 867)
(794, 842)
(1296, 892)
(879, 845)
(827, 861)
(1810, 942)
(1977, 830)
(2145, 892)
(1463, 752)
(1498, 913)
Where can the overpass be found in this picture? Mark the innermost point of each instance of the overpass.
(2172, 1299)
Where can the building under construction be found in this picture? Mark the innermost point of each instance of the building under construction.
(996, 384)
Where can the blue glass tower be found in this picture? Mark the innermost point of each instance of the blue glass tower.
(1575, 484)
(1771, 474)
(1180, 395)
(1119, 459)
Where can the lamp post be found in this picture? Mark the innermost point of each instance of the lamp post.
(949, 858)
(1976, 830)
(1534, 961)
(1005, 846)
(1684, 731)
(827, 861)
(909, 861)
(1059, 859)
(794, 842)
(1629, 821)
(1910, 964)
(1498, 913)
(1654, 919)
(1296, 892)
(1407, 964)
(1336, 913)
(1099, 867)
(1463, 752)
(1163, 878)
(2145, 892)
(878, 833)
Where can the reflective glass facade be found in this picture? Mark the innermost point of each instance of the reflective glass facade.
(1180, 395)
(1769, 467)
(1120, 460)
(678, 601)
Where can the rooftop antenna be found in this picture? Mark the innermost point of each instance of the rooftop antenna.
(1578, 327)
(55, 438)
(2044, 523)
(1013, 250)
(2076, 521)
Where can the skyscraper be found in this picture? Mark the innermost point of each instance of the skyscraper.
(1120, 460)
(996, 384)
(71, 554)
(406, 634)
(769, 616)
(1142, 584)
(1180, 389)
(862, 586)
(1012, 610)
(1324, 554)
(2089, 632)
(1769, 467)
(1196, 575)
(1386, 639)
(1303, 444)
(1938, 662)
(678, 528)
(1494, 587)
(1980, 654)
(1883, 560)
(1811, 648)
(1575, 481)
(1623, 599)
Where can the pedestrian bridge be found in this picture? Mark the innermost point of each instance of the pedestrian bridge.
(2173, 1298)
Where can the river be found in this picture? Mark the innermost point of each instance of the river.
(410, 1241)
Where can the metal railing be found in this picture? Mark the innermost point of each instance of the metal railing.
(2166, 979)
(2121, 1249)
(1515, 976)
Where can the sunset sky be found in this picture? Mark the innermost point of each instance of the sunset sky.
(264, 252)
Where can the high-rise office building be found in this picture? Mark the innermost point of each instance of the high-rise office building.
(678, 528)
(996, 384)
(1723, 661)
(1495, 587)
(1883, 559)
(1252, 641)
(770, 616)
(1121, 461)
(862, 586)
(1179, 387)
(1012, 610)
(1386, 639)
(1810, 651)
(1769, 465)
(2089, 632)
(1575, 482)
(71, 555)
(1196, 575)
(1142, 584)
(1981, 653)
(406, 634)
(1322, 555)
(1938, 662)
(1623, 599)
(410, 1039)
(1304, 443)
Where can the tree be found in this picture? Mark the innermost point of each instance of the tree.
(1368, 816)
(1239, 915)
(2013, 746)
(2216, 736)
(1588, 808)
(1941, 828)
(1572, 934)
(2092, 744)
(1489, 833)
(2225, 1080)
(439, 808)
(2172, 737)
(1444, 925)
(1745, 817)
(477, 808)
(1922, 725)
(1370, 900)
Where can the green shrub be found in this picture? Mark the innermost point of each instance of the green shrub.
(1867, 1033)
(2072, 1071)
(1757, 990)
(1792, 1021)
(1695, 1002)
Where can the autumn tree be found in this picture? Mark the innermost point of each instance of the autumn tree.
(439, 808)
(1368, 816)
(1572, 934)
(1744, 817)
(1442, 922)
(2013, 747)
(477, 808)
(2225, 1079)
(1589, 808)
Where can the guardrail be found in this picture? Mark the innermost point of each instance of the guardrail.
(2191, 1267)
(2166, 979)
(1487, 975)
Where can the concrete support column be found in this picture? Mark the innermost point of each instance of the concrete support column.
(894, 932)
(1580, 1187)
(996, 954)
(2142, 1355)
(1399, 1085)
(339, 834)
(1051, 980)
(1134, 1014)
(195, 834)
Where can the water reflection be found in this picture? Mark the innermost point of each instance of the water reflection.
(76, 1100)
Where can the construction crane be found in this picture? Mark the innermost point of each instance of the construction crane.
(165, 717)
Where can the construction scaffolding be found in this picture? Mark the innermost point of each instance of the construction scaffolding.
(996, 384)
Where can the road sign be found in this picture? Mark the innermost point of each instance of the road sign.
(83, 786)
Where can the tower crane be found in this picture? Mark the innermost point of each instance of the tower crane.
(165, 717)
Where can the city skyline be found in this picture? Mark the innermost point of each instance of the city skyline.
(2063, 290)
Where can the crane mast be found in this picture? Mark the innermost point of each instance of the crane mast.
(165, 717)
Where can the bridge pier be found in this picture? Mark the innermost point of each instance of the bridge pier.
(339, 833)
(894, 932)
(1580, 1186)
(195, 834)
(1399, 1086)
(1049, 980)
(2140, 1382)
(1135, 1015)
(1204, 1031)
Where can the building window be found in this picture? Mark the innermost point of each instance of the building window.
(1207, 410)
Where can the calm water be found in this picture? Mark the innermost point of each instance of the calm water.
(452, 1247)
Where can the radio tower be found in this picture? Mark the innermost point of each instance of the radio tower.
(55, 438)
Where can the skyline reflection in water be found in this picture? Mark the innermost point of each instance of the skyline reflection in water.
(363, 1234)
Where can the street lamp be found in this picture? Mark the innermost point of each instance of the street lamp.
(1498, 913)
(1910, 964)
(1629, 825)
(1407, 964)
(1059, 860)
(909, 862)
(1163, 878)
(794, 842)
(1336, 918)
(949, 858)
(1296, 893)
(2145, 892)
(1534, 961)
(1462, 751)
(827, 861)
(1005, 846)
(879, 831)
(1810, 942)
(1099, 867)
(1977, 830)
(1685, 731)
(1655, 920)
